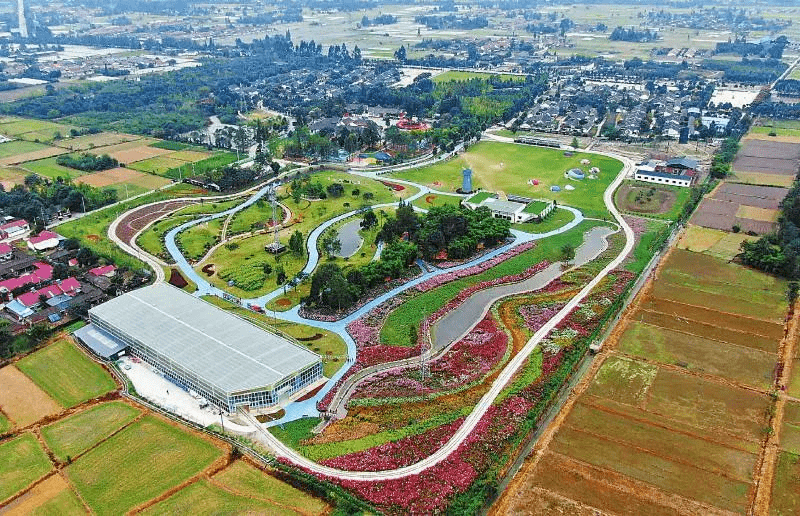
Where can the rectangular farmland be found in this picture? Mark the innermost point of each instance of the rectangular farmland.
(709, 331)
(67, 374)
(761, 178)
(15, 147)
(116, 176)
(91, 141)
(587, 484)
(786, 485)
(708, 405)
(47, 152)
(77, 433)
(22, 461)
(160, 165)
(737, 322)
(675, 477)
(136, 154)
(138, 464)
(22, 400)
(746, 365)
(190, 155)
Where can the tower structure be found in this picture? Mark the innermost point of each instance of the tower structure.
(466, 183)
(23, 25)
(274, 247)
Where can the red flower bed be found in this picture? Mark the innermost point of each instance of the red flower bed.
(467, 361)
(396, 454)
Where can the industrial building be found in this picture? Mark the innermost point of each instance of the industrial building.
(226, 359)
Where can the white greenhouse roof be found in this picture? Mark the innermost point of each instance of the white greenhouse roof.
(219, 347)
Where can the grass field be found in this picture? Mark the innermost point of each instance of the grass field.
(31, 129)
(15, 147)
(151, 239)
(244, 478)
(157, 165)
(237, 263)
(508, 168)
(777, 131)
(454, 75)
(205, 498)
(413, 311)
(5, 424)
(665, 202)
(217, 160)
(49, 168)
(716, 243)
(555, 220)
(66, 374)
(198, 239)
(137, 464)
(433, 200)
(258, 214)
(75, 434)
(22, 461)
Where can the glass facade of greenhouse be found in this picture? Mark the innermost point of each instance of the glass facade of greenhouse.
(226, 359)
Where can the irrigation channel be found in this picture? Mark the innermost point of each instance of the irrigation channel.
(308, 408)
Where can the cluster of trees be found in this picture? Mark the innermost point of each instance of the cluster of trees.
(740, 46)
(383, 19)
(458, 231)
(721, 164)
(788, 87)
(232, 178)
(779, 252)
(332, 288)
(87, 162)
(748, 71)
(633, 35)
(39, 200)
(452, 21)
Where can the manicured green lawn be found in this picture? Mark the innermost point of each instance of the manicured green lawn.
(258, 214)
(508, 168)
(412, 312)
(204, 498)
(15, 147)
(555, 220)
(244, 478)
(198, 239)
(208, 207)
(296, 431)
(22, 461)
(49, 168)
(77, 433)
(152, 238)
(66, 374)
(243, 261)
(429, 201)
(137, 464)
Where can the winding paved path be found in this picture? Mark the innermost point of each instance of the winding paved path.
(296, 410)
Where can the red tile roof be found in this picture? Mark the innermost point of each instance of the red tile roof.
(102, 271)
(5, 249)
(44, 236)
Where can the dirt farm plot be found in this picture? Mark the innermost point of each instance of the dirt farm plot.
(120, 175)
(139, 219)
(139, 153)
(91, 141)
(766, 161)
(671, 418)
(21, 400)
(48, 152)
(751, 207)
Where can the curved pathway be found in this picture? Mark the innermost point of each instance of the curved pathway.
(296, 410)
